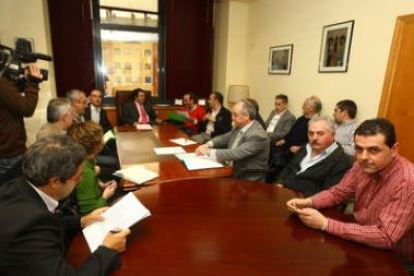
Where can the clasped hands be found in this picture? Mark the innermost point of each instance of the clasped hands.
(303, 208)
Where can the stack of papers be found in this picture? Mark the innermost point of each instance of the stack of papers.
(144, 127)
(183, 141)
(109, 135)
(136, 174)
(123, 214)
(168, 150)
(194, 162)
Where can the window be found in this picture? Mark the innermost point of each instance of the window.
(129, 44)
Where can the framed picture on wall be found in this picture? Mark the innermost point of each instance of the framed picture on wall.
(280, 59)
(336, 47)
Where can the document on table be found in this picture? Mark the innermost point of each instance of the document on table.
(123, 214)
(183, 141)
(144, 127)
(109, 135)
(168, 150)
(136, 174)
(194, 162)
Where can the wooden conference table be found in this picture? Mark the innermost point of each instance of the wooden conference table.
(137, 148)
(232, 227)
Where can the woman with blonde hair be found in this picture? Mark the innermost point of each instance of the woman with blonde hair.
(91, 193)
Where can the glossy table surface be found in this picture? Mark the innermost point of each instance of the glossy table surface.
(137, 148)
(232, 227)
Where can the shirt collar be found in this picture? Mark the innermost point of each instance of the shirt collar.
(326, 152)
(50, 202)
(246, 127)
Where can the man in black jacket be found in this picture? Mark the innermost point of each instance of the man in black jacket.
(319, 164)
(217, 120)
(95, 112)
(32, 239)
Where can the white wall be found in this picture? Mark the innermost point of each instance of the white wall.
(230, 51)
(29, 19)
(298, 22)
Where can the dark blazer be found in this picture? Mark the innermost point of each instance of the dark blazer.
(32, 240)
(130, 114)
(222, 124)
(103, 119)
(318, 177)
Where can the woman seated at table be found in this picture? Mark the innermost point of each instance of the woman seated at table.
(91, 193)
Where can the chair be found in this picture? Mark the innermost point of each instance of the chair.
(124, 96)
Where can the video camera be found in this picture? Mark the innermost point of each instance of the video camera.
(11, 60)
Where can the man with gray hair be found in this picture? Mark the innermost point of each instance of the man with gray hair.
(78, 101)
(34, 240)
(319, 164)
(245, 147)
(59, 118)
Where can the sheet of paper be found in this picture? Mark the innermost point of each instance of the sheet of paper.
(178, 102)
(194, 162)
(136, 174)
(183, 114)
(183, 141)
(168, 150)
(144, 127)
(123, 214)
(109, 135)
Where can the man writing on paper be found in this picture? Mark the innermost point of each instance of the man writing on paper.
(382, 183)
(245, 147)
(32, 239)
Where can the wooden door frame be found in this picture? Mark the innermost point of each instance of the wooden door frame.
(392, 63)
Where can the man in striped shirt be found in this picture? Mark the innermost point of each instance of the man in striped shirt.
(382, 183)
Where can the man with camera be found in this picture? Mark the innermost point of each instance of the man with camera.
(17, 100)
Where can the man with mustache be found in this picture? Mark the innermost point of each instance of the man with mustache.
(382, 183)
(319, 164)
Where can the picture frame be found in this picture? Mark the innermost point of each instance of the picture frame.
(280, 59)
(336, 47)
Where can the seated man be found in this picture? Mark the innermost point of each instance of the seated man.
(344, 116)
(34, 240)
(138, 111)
(258, 116)
(78, 102)
(320, 164)
(246, 146)
(382, 183)
(283, 150)
(217, 120)
(59, 118)
(280, 120)
(196, 113)
(94, 112)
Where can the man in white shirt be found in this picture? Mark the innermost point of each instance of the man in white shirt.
(319, 164)
(94, 112)
(280, 120)
(345, 125)
(217, 120)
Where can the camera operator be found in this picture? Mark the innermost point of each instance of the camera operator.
(15, 104)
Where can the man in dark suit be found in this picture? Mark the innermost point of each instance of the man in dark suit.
(94, 112)
(317, 165)
(33, 239)
(138, 111)
(244, 147)
(217, 120)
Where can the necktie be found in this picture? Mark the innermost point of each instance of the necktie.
(144, 116)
